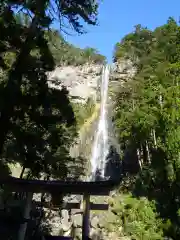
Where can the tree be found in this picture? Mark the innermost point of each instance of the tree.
(43, 13)
(147, 116)
(32, 122)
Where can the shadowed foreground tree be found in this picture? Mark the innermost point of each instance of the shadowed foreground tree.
(36, 123)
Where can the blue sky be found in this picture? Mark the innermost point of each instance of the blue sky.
(118, 17)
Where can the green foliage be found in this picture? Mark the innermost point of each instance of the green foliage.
(147, 115)
(134, 44)
(137, 217)
(67, 54)
(83, 111)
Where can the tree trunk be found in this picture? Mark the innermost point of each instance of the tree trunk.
(23, 227)
(148, 153)
(160, 100)
(40, 217)
(154, 138)
(22, 172)
(139, 158)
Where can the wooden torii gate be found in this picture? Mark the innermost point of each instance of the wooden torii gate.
(99, 188)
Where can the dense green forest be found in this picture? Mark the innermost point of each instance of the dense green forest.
(147, 119)
(67, 54)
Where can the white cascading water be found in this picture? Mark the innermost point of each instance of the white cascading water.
(100, 145)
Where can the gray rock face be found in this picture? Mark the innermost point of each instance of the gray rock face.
(81, 81)
(122, 71)
(77, 220)
(65, 221)
(94, 221)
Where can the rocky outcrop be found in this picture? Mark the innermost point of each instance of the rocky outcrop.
(122, 71)
(81, 81)
(64, 222)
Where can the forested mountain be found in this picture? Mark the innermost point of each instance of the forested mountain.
(147, 118)
(67, 54)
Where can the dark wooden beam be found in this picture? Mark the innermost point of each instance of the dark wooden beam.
(86, 217)
(99, 206)
(57, 238)
(100, 188)
(72, 205)
(64, 205)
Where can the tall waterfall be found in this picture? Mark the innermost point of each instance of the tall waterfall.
(100, 145)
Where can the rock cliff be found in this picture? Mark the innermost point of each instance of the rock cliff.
(122, 71)
(81, 81)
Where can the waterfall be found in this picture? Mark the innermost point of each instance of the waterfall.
(100, 145)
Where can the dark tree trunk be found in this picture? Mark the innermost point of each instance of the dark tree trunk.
(22, 172)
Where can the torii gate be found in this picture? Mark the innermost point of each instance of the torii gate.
(99, 188)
